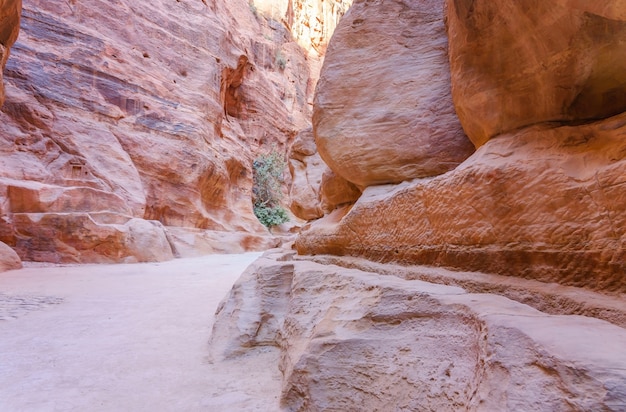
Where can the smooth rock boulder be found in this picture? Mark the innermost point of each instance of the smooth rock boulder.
(383, 109)
(519, 63)
(9, 260)
(336, 191)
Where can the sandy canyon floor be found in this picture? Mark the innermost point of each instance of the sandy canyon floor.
(125, 337)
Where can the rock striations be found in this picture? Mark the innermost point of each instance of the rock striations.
(10, 11)
(117, 125)
(538, 89)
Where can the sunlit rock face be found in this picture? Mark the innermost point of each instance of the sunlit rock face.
(118, 111)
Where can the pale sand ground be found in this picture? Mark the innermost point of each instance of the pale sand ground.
(125, 338)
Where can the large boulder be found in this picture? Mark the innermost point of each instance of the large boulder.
(10, 11)
(519, 63)
(383, 110)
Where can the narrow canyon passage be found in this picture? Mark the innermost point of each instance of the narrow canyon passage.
(124, 337)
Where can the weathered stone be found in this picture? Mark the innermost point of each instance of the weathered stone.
(336, 191)
(306, 168)
(85, 237)
(520, 63)
(10, 11)
(131, 119)
(383, 109)
(9, 260)
(354, 340)
(542, 203)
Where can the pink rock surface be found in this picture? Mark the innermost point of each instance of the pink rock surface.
(10, 11)
(115, 107)
(359, 340)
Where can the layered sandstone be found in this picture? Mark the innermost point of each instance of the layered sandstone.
(519, 63)
(543, 197)
(312, 22)
(115, 111)
(10, 11)
(383, 109)
(355, 340)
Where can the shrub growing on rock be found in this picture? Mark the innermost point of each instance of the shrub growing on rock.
(267, 189)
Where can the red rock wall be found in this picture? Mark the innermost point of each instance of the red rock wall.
(113, 109)
(10, 11)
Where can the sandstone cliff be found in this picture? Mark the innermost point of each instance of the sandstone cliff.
(128, 112)
(538, 89)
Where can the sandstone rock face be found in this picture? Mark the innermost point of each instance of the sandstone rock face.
(10, 11)
(542, 203)
(312, 22)
(519, 63)
(383, 110)
(336, 191)
(354, 340)
(8, 258)
(115, 109)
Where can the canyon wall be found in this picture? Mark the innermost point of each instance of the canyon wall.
(10, 12)
(129, 124)
(537, 89)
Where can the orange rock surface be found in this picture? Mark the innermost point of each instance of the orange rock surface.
(545, 203)
(543, 197)
(383, 110)
(519, 63)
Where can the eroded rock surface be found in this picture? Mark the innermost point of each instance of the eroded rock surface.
(519, 63)
(352, 340)
(544, 203)
(306, 168)
(383, 108)
(114, 112)
(544, 198)
(10, 11)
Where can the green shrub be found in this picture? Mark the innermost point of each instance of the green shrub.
(267, 189)
(271, 216)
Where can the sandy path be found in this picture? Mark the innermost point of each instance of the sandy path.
(124, 338)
